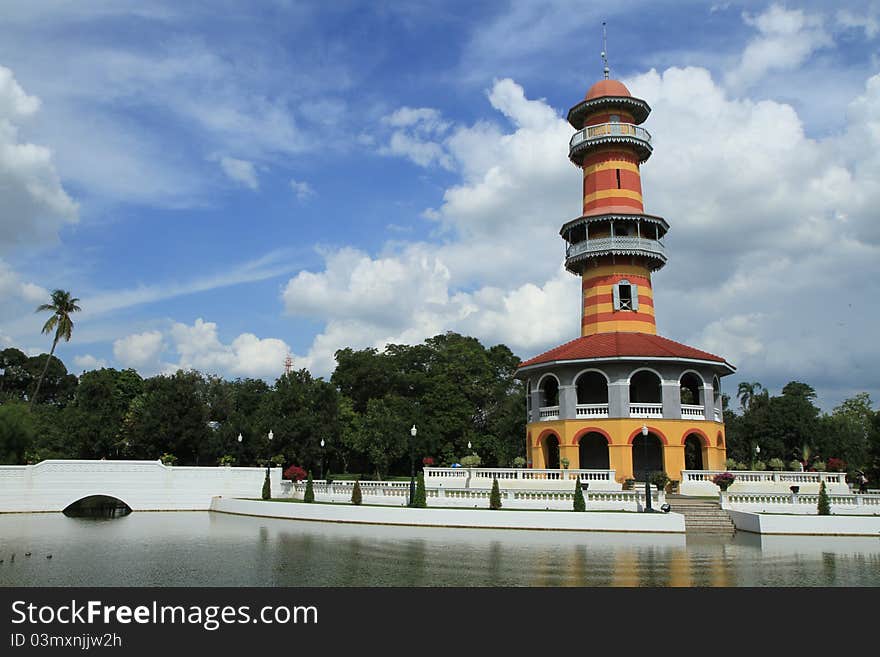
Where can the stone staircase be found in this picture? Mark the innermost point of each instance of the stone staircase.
(701, 516)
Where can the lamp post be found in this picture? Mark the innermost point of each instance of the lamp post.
(239, 447)
(412, 464)
(322, 458)
(648, 507)
(269, 452)
(469, 445)
(757, 453)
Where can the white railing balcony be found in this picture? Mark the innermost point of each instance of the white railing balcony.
(608, 132)
(592, 410)
(717, 415)
(618, 245)
(693, 411)
(646, 410)
(549, 412)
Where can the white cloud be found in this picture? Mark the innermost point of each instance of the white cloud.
(139, 350)
(241, 171)
(89, 362)
(418, 134)
(786, 38)
(302, 189)
(867, 22)
(34, 204)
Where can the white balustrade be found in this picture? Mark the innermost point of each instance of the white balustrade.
(646, 410)
(520, 478)
(607, 130)
(800, 503)
(592, 410)
(692, 411)
(549, 412)
(717, 415)
(617, 244)
(699, 482)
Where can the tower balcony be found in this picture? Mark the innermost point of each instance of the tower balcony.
(601, 246)
(593, 136)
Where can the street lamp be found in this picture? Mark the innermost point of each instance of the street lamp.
(322, 458)
(269, 452)
(412, 464)
(648, 508)
(239, 448)
(469, 445)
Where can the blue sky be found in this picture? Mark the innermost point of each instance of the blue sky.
(221, 183)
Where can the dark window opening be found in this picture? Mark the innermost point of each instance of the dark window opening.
(618, 179)
(626, 302)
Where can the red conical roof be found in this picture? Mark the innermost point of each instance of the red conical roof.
(607, 88)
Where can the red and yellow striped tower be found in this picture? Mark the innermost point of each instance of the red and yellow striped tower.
(614, 246)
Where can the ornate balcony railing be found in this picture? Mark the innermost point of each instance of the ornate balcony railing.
(646, 410)
(717, 415)
(610, 133)
(617, 245)
(592, 410)
(549, 412)
(693, 411)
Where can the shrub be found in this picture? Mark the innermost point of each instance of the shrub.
(824, 506)
(227, 459)
(168, 459)
(294, 473)
(421, 499)
(579, 503)
(495, 496)
(776, 464)
(835, 465)
(519, 462)
(731, 464)
(795, 466)
(760, 466)
(659, 479)
(267, 487)
(309, 495)
(471, 461)
(564, 462)
(819, 466)
(356, 495)
(723, 480)
(277, 460)
(428, 461)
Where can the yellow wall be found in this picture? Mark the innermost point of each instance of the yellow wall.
(620, 450)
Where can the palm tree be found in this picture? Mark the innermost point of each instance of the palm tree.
(746, 392)
(61, 307)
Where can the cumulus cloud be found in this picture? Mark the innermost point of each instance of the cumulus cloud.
(139, 350)
(241, 171)
(867, 22)
(89, 362)
(786, 38)
(418, 135)
(35, 205)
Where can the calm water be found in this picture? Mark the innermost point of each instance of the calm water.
(189, 549)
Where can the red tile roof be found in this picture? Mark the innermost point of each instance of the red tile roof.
(612, 345)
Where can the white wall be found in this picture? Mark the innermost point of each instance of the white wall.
(143, 485)
(563, 520)
(806, 525)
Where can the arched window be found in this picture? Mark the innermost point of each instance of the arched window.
(625, 296)
(549, 391)
(691, 389)
(592, 388)
(645, 388)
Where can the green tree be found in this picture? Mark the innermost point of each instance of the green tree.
(356, 495)
(495, 495)
(421, 499)
(748, 391)
(824, 506)
(579, 503)
(15, 380)
(61, 306)
(16, 433)
(99, 407)
(267, 487)
(309, 495)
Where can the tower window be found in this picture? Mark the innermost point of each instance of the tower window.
(618, 179)
(626, 296)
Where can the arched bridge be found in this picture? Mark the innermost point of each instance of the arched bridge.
(142, 485)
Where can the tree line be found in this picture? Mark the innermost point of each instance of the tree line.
(454, 390)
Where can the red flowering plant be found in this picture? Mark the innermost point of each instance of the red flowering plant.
(428, 461)
(835, 465)
(723, 480)
(294, 473)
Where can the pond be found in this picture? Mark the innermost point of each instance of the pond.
(212, 549)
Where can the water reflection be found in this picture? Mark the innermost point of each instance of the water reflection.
(192, 549)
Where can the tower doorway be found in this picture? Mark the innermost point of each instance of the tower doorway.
(693, 453)
(593, 452)
(551, 452)
(647, 455)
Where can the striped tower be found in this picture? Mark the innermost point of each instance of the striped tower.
(614, 246)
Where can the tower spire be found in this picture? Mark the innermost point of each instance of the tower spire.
(606, 70)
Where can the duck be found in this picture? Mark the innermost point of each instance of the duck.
(48, 556)
(27, 554)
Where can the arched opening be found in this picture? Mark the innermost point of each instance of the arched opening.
(645, 388)
(691, 389)
(97, 506)
(693, 453)
(549, 388)
(716, 392)
(593, 452)
(529, 397)
(592, 388)
(551, 452)
(647, 455)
